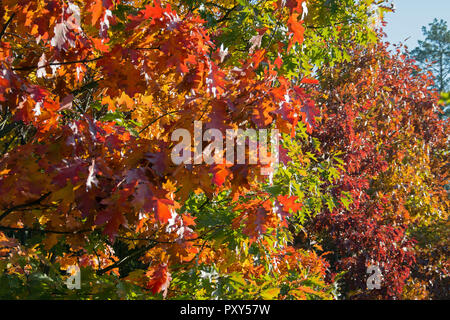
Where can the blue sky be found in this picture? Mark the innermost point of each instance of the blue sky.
(410, 16)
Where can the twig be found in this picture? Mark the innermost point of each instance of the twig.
(57, 64)
(6, 25)
(119, 263)
(153, 121)
(28, 204)
(44, 231)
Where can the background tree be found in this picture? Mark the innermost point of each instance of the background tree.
(381, 113)
(435, 49)
(91, 91)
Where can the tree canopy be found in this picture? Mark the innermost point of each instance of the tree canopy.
(92, 93)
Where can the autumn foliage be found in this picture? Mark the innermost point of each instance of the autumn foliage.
(91, 93)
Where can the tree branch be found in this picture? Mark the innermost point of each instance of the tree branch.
(153, 121)
(44, 231)
(119, 263)
(2, 33)
(57, 64)
(227, 13)
(333, 24)
(25, 205)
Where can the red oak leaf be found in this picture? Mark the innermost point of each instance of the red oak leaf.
(159, 279)
(162, 210)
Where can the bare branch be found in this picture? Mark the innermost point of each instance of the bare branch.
(25, 205)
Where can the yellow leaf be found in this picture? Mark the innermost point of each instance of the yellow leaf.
(65, 194)
(270, 294)
(3, 172)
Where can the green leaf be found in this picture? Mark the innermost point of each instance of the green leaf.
(270, 294)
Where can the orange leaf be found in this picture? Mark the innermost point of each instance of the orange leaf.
(289, 202)
(220, 172)
(296, 28)
(162, 211)
(310, 81)
(97, 10)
